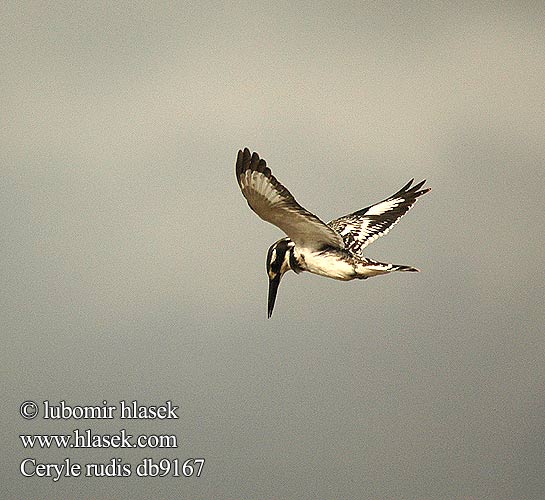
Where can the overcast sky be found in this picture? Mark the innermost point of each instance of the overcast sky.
(133, 269)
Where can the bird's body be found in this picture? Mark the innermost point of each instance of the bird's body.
(330, 262)
(333, 250)
(341, 265)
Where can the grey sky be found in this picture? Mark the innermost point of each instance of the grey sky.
(133, 268)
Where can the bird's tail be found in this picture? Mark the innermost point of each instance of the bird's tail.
(397, 267)
(374, 268)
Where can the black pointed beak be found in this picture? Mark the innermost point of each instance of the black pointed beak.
(273, 288)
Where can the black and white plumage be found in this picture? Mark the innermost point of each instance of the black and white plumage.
(333, 249)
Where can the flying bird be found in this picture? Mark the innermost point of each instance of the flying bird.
(335, 249)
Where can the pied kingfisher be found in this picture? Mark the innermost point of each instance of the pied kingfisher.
(333, 249)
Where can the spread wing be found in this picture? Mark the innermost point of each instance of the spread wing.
(275, 204)
(360, 228)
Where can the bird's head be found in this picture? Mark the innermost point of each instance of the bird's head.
(278, 262)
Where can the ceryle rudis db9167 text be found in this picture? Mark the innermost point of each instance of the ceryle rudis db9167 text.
(334, 249)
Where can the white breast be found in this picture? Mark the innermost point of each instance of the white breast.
(325, 264)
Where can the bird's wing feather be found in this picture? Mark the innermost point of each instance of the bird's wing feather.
(360, 228)
(269, 199)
